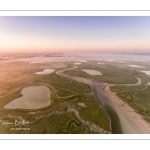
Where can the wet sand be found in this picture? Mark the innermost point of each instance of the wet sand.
(136, 66)
(146, 72)
(92, 72)
(32, 97)
(131, 121)
(77, 63)
(124, 62)
(46, 71)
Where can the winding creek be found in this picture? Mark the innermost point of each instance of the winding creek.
(121, 120)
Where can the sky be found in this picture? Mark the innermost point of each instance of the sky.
(74, 34)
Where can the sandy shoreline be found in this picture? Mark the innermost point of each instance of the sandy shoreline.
(131, 121)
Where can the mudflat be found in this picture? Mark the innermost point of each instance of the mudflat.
(33, 97)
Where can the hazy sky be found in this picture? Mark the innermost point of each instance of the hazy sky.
(79, 34)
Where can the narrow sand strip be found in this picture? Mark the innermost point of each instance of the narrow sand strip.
(135, 120)
(136, 66)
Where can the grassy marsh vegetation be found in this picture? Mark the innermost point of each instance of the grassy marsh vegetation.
(64, 93)
(110, 73)
(138, 97)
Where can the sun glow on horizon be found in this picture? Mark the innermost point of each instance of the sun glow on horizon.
(67, 34)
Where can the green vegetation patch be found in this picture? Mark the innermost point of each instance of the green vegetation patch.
(64, 93)
(110, 73)
(97, 115)
(139, 100)
(65, 86)
(58, 123)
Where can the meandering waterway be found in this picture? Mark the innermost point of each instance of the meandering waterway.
(122, 121)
